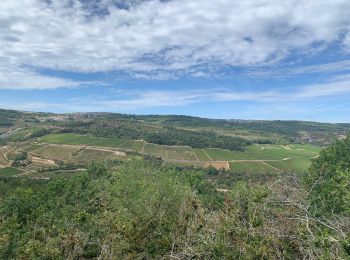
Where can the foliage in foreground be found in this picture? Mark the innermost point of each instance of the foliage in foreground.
(142, 211)
(329, 180)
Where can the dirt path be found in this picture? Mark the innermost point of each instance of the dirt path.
(96, 148)
(118, 153)
(286, 147)
(207, 154)
(264, 147)
(223, 190)
(64, 145)
(195, 155)
(189, 161)
(143, 147)
(39, 160)
(271, 166)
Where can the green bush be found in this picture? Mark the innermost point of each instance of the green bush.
(329, 180)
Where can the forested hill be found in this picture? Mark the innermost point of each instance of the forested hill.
(175, 129)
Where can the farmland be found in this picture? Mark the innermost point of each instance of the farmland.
(256, 157)
(74, 139)
(86, 174)
(73, 153)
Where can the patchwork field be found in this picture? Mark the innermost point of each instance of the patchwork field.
(49, 153)
(266, 158)
(74, 139)
(255, 158)
(264, 152)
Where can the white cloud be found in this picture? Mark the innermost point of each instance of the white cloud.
(283, 72)
(164, 37)
(134, 100)
(12, 77)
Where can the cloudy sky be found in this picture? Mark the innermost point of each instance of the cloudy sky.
(251, 59)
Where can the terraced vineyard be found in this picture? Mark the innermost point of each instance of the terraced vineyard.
(262, 158)
(74, 139)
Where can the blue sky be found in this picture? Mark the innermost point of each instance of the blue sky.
(220, 59)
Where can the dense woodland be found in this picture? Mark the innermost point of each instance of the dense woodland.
(170, 130)
(142, 210)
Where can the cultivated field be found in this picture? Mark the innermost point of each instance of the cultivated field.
(255, 158)
(171, 153)
(74, 139)
(248, 167)
(264, 152)
(56, 152)
(47, 154)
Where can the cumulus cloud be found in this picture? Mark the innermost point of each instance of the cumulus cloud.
(147, 38)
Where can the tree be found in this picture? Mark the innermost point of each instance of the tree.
(97, 169)
(329, 180)
(211, 170)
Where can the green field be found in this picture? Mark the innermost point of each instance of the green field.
(264, 152)
(296, 165)
(74, 139)
(255, 158)
(181, 153)
(9, 171)
(257, 167)
(202, 155)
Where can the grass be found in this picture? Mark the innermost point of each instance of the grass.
(9, 172)
(74, 139)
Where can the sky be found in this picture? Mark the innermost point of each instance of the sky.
(233, 59)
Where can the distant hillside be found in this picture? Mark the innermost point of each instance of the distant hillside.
(173, 129)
